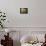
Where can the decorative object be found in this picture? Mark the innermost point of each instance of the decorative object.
(23, 10)
(8, 40)
(2, 19)
(7, 30)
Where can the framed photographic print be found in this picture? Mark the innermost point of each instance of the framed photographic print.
(23, 10)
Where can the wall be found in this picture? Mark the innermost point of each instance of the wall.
(12, 7)
(35, 18)
(38, 13)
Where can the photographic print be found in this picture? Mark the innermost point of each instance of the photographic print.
(23, 10)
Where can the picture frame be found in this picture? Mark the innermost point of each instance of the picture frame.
(23, 10)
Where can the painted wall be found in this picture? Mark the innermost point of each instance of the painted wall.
(35, 18)
(12, 9)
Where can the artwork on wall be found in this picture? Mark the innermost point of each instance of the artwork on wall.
(23, 10)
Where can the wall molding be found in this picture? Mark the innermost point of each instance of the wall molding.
(26, 28)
